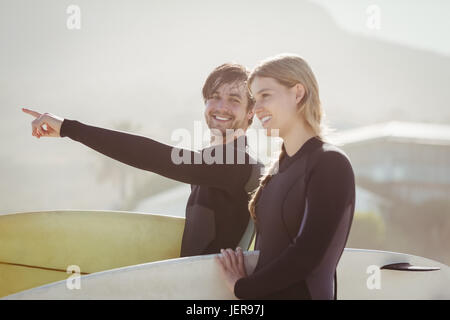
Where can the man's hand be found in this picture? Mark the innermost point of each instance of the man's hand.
(232, 266)
(45, 125)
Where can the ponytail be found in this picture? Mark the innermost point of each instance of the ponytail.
(264, 180)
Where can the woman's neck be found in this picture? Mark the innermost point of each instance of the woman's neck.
(296, 137)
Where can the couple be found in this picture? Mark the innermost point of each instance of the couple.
(302, 208)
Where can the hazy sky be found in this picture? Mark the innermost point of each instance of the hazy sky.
(145, 62)
(417, 23)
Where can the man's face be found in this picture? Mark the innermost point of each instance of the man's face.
(226, 108)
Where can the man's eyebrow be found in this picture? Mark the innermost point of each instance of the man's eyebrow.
(214, 92)
(235, 94)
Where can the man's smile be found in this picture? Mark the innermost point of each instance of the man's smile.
(221, 118)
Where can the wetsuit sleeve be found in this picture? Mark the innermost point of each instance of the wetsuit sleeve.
(150, 155)
(330, 191)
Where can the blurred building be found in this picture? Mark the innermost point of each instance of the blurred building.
(400, 160)
(394, 161)
(370, 202)
(170, 202)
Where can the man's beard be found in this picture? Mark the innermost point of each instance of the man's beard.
(225, 130)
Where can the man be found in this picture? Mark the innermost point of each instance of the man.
(217, 209)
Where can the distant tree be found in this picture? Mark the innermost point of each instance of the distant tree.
(422, 229)
(368, 231)
(119, 174)
(133, 184)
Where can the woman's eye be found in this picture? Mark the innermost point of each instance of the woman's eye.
(264, 95)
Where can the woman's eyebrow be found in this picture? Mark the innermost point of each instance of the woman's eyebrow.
(264, 89)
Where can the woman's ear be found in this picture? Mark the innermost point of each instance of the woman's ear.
(299, 92)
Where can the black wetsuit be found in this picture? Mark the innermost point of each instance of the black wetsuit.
(304, 215)
(217, 210)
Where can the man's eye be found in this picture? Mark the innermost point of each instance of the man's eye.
(236, 100)
(264, 95)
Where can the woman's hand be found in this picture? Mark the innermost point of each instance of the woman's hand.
(232, 266)
(45, 125)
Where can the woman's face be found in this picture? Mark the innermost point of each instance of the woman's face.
(276, 105)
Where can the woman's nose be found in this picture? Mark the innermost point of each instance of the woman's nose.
(258, 107)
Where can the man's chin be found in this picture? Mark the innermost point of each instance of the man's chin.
(219, 131)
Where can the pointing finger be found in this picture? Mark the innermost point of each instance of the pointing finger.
(31, 112)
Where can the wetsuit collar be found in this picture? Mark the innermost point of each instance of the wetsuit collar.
(237, 144)
(309, 145)
(238, 141)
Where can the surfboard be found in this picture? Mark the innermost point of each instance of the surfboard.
(379, 275)
(361, 274)
(36, 248)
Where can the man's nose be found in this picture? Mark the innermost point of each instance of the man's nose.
(222, 105)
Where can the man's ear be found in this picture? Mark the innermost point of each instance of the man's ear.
(299, 92)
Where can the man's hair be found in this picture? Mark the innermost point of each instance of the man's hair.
(228, 73)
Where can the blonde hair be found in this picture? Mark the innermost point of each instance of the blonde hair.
(289, 70)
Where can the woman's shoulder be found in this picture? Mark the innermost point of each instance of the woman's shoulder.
(330, 173)
(330, 157)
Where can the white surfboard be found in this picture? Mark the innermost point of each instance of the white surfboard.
(362, 274)
(36, 248)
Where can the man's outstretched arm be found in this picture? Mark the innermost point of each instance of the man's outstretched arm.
(142, 152)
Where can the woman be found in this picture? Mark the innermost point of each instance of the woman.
(304, 206)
